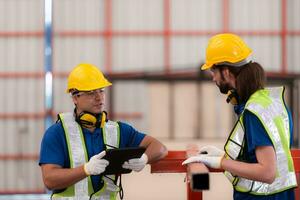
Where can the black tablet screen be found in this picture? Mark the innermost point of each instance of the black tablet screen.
(117, 157)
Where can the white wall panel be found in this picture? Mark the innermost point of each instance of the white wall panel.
(78, 15)
(62, 101)
(188, 52)
(22, 95)
(131, 97)
(21, 54)
(186, 110)
(196, 15)
(293, 52)
(21, 15)
(159, 109)
(2, 172)
(215, 115)
(11, 169)
(137, 15)
(20, 137)
(18, 174)
(293, 15)
(68, 52)
(255, 14)
(266, 51)
(138, 53)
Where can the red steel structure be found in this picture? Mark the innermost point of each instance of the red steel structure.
(108, 33)
(172, 164)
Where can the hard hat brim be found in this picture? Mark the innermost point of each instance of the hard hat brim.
(206, 66)
(107, 84)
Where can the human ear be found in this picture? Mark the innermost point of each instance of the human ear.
(74, 99)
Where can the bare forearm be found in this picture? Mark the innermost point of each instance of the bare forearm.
(264, 170)
(252, 171)
(59, 178)
(155, 150)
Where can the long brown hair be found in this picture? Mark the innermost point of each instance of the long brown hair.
(249, 78)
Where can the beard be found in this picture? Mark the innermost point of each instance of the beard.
(224, 87)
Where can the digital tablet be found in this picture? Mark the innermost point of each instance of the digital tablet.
(117, 157)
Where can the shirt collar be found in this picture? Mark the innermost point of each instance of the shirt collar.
(238, 109)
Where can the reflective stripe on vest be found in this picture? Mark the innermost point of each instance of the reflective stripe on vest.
(78, 156)
(269, 107)
(111, 137)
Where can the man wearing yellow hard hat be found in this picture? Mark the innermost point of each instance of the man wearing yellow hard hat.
(256, 157)
(72, 150)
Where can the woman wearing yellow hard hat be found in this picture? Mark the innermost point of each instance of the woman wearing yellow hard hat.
(72, 150)
(256, 157)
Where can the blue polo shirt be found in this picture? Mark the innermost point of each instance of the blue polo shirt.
(256, 135)
(54, 146)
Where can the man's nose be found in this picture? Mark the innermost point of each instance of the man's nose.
(98, 94)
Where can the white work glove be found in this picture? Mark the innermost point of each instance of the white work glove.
(136, 164)
(96, 164)
(211, 151)
(210, 161)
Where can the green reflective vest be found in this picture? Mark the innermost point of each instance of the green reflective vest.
(83, 190)
(268, 105)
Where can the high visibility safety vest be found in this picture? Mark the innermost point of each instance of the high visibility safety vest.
(268, 105)
(83, 190)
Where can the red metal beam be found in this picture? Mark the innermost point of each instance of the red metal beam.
(21, 33)
(22, 74)
(133, 115)
(137, 33)
(21, 156)
(27, 115)
(168, 32)
(188, 73)
(172, 164)
(108, 35)
(167, 35)
(41, 115)
(36, 191)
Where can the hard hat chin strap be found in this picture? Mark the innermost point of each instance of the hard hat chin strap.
(89, 120)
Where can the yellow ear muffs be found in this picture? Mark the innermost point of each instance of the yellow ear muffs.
(89, 120)
(103, 119)
(232, 97)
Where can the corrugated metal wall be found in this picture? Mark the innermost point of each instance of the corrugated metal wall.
(131, 36)
(22, 94)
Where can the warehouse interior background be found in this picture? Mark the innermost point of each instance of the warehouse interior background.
(151, 51)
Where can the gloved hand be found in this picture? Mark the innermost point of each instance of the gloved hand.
(210, 161)
(211, 151)
(136, 164)
(96, 164)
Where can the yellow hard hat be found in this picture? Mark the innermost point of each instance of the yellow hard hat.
(225, 48)
(86, 77)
